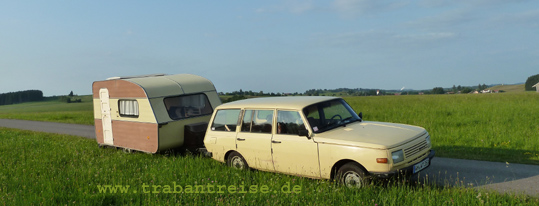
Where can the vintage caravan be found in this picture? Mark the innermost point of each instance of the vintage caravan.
(153, 113)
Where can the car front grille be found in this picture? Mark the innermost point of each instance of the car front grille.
(413, 150)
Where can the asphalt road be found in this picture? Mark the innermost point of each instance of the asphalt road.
(87, 131)
(502, 177)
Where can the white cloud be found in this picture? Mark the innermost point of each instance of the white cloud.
(299, 6)
(378, 40)
(448, 19)
(352, 8)
(347, 39)
(470, 3)
(526, 18)
(431, 36)
(291, 6)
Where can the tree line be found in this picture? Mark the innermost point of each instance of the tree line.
(237, 95)
(458, 89)
(21, 97)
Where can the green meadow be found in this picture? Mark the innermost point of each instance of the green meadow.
(50, 169)
(493, 127)
(52, 111)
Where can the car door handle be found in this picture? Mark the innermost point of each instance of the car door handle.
(274, 141)
(240, 139)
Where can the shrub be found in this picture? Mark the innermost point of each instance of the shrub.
(532, 80)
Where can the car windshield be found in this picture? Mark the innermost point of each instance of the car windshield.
(329, 115)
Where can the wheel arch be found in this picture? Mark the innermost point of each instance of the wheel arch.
(227, 154)
(342, 162)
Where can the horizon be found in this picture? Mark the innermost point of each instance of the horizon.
(268, 92)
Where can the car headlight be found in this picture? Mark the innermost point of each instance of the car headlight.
(428, 140)
(397, 156)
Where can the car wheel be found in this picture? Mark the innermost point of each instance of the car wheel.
(235, 160)
(352, 176)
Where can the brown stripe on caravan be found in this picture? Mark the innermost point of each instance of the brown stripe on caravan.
(119, 89)
(99, 131)
(135, 135)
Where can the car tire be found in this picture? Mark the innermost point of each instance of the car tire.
(235, 160)
(352, 176)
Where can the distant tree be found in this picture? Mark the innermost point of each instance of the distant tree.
(21, 97)
(466, 90)
(372, 92)
(532, 80)
(234, 98)
(438, 90)
(454, 89)
(70, 94)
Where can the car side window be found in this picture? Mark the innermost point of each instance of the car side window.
(289, 122)
(257, 121)
(226, 120)
(247, 121)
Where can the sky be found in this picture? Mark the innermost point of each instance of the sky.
(272, 46)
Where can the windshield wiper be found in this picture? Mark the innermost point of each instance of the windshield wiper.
(346, 121)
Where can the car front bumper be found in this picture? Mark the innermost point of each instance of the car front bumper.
(404, 171)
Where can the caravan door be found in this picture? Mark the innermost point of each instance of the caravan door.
(105, 116)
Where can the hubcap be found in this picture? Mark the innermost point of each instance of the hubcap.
(237, 162)
(352, 179)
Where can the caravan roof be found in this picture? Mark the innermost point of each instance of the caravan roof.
(166, 85)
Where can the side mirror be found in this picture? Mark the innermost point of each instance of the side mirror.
(304, 133)
(360, 115)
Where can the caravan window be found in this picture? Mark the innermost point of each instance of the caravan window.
(128, 108)
(188, 106)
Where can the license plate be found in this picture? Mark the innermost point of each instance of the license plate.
(421, 165)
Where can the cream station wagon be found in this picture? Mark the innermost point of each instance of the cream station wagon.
(316, 137)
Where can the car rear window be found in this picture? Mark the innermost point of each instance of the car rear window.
(226, 120)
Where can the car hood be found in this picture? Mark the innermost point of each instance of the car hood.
(381, 135)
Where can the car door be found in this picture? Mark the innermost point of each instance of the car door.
(293, 154)
(253, 141)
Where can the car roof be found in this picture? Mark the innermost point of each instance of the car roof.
(294, 102)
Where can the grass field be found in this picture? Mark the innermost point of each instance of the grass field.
(38, 168)
(52, 111)
(509, 88)
(48, 169)
(494, 127)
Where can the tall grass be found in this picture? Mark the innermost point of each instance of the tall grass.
(494, 127)
(49, 169)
